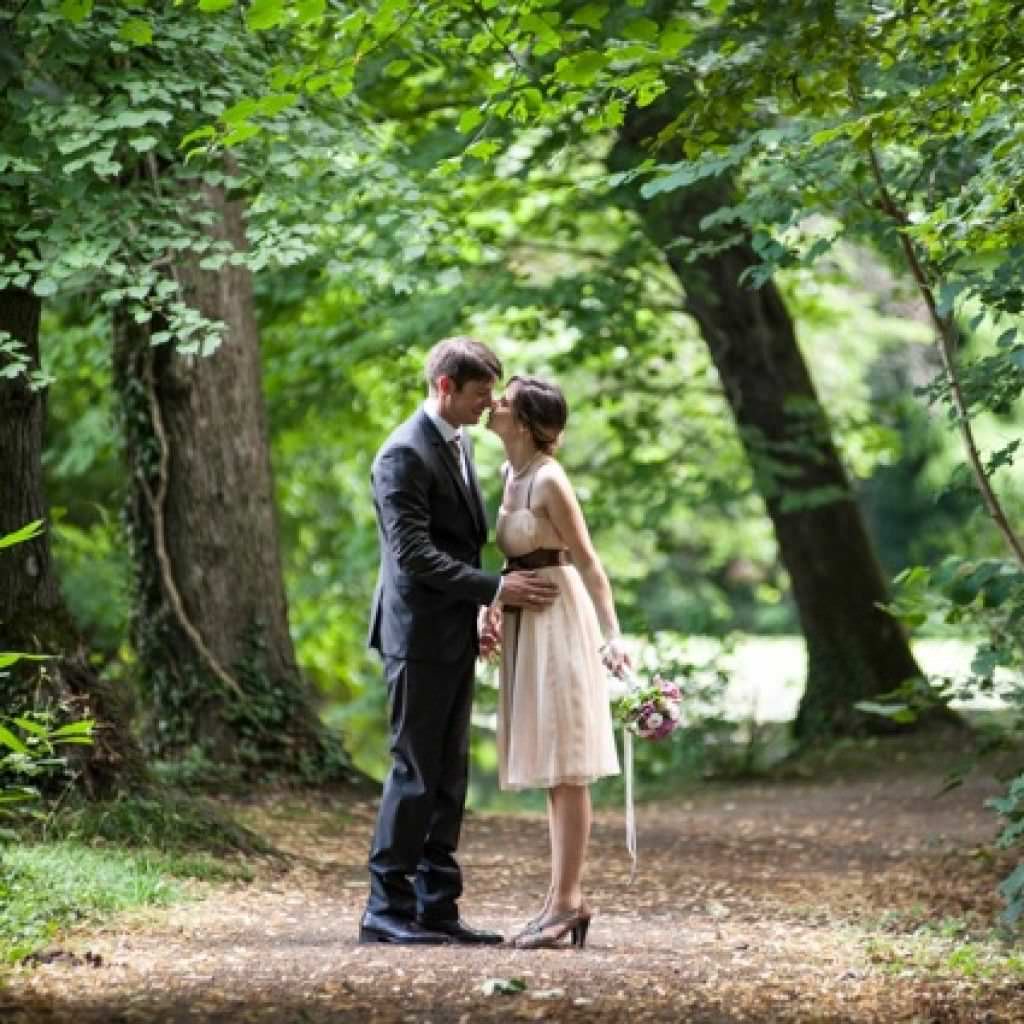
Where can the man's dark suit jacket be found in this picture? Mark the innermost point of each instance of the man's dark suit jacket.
(431, 528)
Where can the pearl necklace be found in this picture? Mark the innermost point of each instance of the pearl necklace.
(518, 474)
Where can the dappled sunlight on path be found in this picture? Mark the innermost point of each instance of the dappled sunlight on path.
(786, 902)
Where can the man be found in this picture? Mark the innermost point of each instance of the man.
(431, 527)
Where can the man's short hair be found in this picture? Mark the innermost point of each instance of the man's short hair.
(462, 359)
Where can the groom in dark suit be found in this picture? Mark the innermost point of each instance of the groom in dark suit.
(431, 526)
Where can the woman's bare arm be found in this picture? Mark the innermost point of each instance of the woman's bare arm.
(557, 500)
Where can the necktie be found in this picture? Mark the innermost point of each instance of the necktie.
(456, 446)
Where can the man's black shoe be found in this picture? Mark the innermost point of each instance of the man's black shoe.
(399, 930)
(458, 931)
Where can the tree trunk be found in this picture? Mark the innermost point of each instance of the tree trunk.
(211, 623)
(33, 616)
(855, 651)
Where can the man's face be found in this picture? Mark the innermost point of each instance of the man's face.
(464, 406)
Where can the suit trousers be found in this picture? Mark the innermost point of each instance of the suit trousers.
(413, 871)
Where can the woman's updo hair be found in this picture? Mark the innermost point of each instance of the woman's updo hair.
(540, 406)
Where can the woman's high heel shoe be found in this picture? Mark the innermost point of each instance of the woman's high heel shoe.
(530, 926)
(549, 933)
(578, 932)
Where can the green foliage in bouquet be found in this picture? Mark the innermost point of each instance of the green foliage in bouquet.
(650, 712)
(705, 740)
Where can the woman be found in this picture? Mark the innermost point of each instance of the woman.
(554, 723)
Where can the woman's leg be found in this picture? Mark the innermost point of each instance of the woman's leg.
(551, 853)
(545, 909)
(570, 817)
(564, 910)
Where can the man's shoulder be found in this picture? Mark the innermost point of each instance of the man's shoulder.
(409, 431)
(412, 434)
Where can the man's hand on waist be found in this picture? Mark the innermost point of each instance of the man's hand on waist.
(527, 589)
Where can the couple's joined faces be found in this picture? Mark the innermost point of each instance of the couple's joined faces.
(501, 412)
(464, 406)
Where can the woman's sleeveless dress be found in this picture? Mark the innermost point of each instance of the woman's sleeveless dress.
(554, 722)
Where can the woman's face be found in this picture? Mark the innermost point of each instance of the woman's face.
(502, 419)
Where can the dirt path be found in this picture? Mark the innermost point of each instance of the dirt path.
(850, 901)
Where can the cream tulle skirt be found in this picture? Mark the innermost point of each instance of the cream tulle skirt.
(554, 722)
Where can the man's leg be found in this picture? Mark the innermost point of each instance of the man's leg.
(419, 694)
(439, 877)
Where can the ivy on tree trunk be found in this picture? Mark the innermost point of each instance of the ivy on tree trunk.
(216, 659)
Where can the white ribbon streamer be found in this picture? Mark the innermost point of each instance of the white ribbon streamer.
(627, 758)
(621, 684)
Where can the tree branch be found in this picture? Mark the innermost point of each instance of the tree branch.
(946, 346)
(482, 15)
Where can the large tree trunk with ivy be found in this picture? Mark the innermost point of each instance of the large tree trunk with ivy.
(211, 623)
(33, 616)
(855, 651)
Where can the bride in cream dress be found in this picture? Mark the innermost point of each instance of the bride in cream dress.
(554, 723)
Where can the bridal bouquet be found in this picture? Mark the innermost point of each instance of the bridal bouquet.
(649, 711)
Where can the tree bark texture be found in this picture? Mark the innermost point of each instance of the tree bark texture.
(855, 651)
(211, 623)
(33, 616)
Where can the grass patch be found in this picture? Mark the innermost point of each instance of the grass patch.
(45, 887)
(932, 951)
(92, 859)
(169, 822)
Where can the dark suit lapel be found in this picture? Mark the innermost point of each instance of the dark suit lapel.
(478, 497)
(447, 457)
